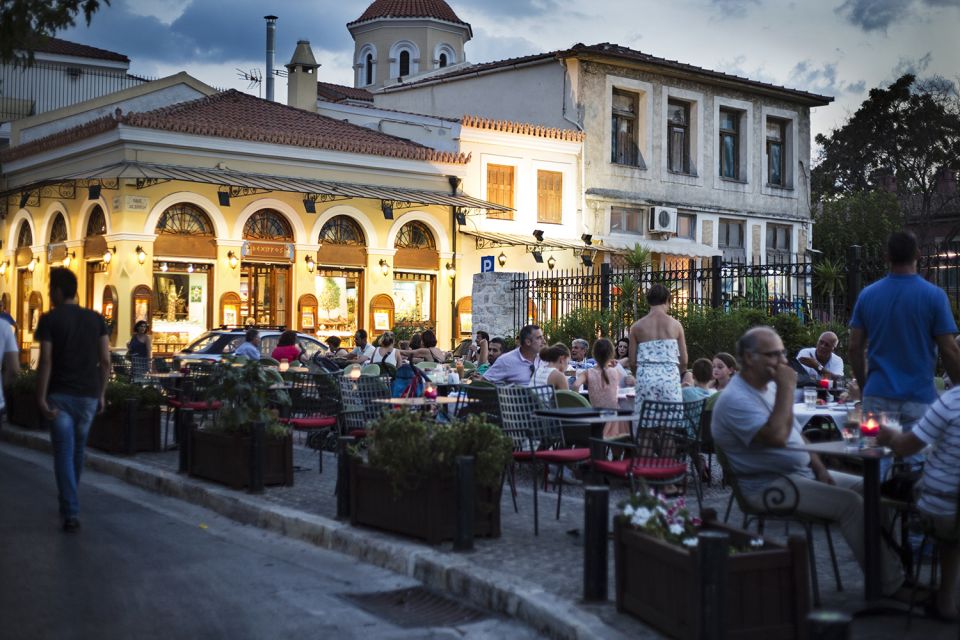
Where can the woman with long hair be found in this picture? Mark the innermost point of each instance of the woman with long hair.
(658, 350)
(623, 352)
(724, 368)
(385, 351)
(601, 383)
(554, 361)
(287, 347)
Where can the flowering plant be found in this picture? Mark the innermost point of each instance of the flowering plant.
(668, 520)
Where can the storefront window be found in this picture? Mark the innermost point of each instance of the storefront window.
(338, 293)
(181, 293)
(413, 295)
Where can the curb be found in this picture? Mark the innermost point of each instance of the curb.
(440, 571)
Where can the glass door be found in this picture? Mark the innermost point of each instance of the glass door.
(266, 290)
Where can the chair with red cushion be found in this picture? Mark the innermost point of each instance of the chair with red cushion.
(358, 396)
(314, 407)
(536, 441)
(661, 450)
(193, 393)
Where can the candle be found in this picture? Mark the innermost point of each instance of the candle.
(869, 429)
(430, 392)
(355, 373)
(284, 365)
(824, 383)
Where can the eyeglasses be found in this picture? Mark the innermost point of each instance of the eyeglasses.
(773, 354)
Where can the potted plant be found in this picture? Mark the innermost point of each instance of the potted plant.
(21, 399)
(407, 484)
(130, 421)
(657, 579)
(221, 450)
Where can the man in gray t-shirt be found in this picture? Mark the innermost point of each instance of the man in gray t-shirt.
(753, 425)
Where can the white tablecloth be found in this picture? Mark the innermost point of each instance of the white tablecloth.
(837, 412)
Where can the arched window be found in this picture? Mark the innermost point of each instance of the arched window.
(404, 63)
(58, 231)
(404, 59)
(342, 230)
(184, 219)
(368, 69)
(97, 223)
(444, 55)
(25, 237)
(268, 224)
(415, 235)
(443, 61)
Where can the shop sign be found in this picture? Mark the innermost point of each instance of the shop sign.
(267, 251)
(137, 203)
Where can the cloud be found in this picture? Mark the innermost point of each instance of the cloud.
(733, 8)
(486, 47)
(878, 15)
(823, 79)
(511, 8)
(737, 67)
(914, 66)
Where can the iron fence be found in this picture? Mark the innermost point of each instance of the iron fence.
(813, 291)
(41, 87)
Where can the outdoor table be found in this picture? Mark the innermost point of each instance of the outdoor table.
(832, 410)
(870, 457)
(590, 416)
(626, 397)
(424, 402)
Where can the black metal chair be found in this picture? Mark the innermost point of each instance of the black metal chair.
(359, 408)
(315, 407)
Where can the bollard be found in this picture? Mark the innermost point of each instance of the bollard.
(343, 476)
(596, 521)
(828, 625)
(185, 427)
(712, 564)
(465, 492)
(257, 435)
(130, 426)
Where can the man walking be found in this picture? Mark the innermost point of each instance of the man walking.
(72, 377)
(898, 325)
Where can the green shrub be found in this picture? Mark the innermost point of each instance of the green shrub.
(244, 388)
(118, 392)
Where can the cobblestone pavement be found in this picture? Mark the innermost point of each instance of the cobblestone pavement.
(553, 559)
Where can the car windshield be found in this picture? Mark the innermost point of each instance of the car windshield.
(203, 343)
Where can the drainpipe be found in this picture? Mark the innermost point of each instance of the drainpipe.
(271, 49)
(454, 334)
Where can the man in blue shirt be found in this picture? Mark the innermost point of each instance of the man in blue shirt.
(251, 345)
(898, 325)
(517, 366)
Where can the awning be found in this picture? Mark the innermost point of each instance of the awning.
(265, 182)
(494, 239)
(672, 247)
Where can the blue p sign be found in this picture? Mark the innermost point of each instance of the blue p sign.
(486, 264)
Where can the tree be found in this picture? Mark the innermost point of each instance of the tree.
(903, 135)
(25, 23)
(330, 296)
(863, 218)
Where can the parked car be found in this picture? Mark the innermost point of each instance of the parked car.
(219, 342)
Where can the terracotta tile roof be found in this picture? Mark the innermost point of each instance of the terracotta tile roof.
(608, 50)
(235, 115)
(340, 92)
(437, 9)
(506, 126)
(66, 48)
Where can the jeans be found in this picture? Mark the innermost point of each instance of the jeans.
(68, 433)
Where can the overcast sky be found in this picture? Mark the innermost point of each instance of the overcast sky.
(840, 48)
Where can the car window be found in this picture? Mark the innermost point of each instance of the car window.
(231, 346)
(203, 343)
(268, 344)
(310, 347)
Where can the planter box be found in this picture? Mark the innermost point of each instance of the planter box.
(225, 458)
(767, 592)
(109, 430)
(22, 409)
(427, 512)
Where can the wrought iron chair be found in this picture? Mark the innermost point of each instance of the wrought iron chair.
(662, 447)
(779, 502)
(314, 407)
(536, 441)
(193, 393)
(139, 368)
(359, 408)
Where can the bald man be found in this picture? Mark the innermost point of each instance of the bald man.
(821, 361)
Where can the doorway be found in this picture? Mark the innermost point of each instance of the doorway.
(265, 294)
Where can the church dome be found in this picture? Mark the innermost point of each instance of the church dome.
(436, 9)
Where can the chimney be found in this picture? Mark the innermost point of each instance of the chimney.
(271, 49)
(302, 78)
(947, 182)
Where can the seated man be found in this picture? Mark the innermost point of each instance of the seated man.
(821, 361)
(488, 352)
(250, 347)
(579, 352)
(364, 350)
(753, 425)
(517, 366)
(702, 374)
(939, 428)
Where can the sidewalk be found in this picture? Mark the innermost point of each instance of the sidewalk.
(537, 580)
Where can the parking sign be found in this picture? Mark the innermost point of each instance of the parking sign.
(486, 264)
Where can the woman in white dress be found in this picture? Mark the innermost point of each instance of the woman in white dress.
(553, 365)
(658, 351)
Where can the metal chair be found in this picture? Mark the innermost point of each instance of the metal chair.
(662, 447)
(315, 407)
(777, 505)
(536, 441)
(359, 408)
(139, 368)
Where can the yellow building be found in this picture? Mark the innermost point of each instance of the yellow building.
(192, 209)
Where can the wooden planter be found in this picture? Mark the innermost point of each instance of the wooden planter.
(427, 512)
(22, 409)
(767, 592)
(225, 458)
(116, 431)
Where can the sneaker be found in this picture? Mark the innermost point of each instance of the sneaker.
(71, 525)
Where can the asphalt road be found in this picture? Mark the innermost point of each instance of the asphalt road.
(147, 566)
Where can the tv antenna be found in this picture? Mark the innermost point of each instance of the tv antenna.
(254, 77)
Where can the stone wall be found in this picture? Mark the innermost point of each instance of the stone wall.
(493, 310)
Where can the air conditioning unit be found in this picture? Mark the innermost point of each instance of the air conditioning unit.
(663, 220)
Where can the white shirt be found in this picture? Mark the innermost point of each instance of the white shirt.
(366, 352)
(8, 344)
(834, 365)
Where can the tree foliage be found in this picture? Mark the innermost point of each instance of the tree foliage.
(25, 23)
(907, 132)
(865, 218)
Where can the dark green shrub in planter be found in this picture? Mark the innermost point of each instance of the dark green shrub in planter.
(407, 486)
(21, 399)
(120, 430)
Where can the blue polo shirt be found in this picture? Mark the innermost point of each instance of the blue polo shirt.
(901, 315)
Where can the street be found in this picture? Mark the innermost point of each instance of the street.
(148, 566)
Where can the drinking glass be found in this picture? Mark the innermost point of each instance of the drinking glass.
(810, 398)
(851, 435)
(891, 420)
